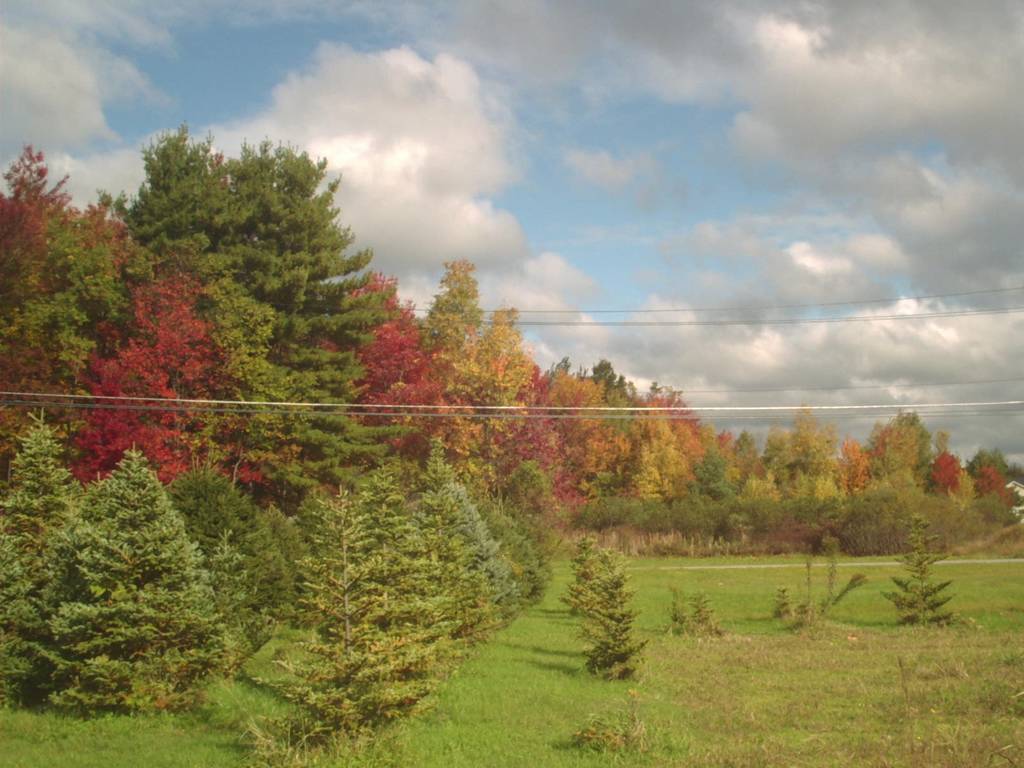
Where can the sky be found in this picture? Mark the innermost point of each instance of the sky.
(592, 155)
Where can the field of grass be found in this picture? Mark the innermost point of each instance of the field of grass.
(855, 690)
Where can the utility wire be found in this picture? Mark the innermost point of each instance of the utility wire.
(678, 415)
(777, 321)
(757, 306)
(689, 391)
(397, 408)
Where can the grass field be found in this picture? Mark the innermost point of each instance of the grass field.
(856, 690)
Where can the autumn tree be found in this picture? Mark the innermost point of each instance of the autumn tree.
(854, 467)
(901, 449)
(945, 473)
(803, 456)
(168, 353)
(64, 276)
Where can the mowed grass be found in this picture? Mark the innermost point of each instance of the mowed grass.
(855, 690)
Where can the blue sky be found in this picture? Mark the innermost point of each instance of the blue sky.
(609, 155)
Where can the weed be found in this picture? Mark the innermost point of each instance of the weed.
(620, 731)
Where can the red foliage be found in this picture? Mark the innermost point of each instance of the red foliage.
(170, 354)
(990, 480)
(945, 473)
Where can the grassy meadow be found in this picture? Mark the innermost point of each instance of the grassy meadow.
(853, 690)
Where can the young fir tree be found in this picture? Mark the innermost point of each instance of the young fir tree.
(919, 599)
(377, 639)
(463, 589)
(607, 628)
(38, 505)
(135, 626)
(246, 626)
(212, 505)
(486, 552)
(577, 595)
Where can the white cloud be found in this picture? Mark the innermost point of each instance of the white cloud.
(54, 90)
(420, 144)
(608, 172)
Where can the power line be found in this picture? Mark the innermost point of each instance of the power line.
(392, 409)
(923, 385)
(778, 321)
(678, 415)
(748, 307)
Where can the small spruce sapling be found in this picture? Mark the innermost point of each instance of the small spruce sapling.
(578, 593)
(694, 616)
(608, 617)
(919, 599)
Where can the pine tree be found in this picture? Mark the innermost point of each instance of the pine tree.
(463, 589)
(246, 626)
(486, 552)
(919, 599)
(376, 644)
(39, 504)
(583, 561)
(135, 626)
(608, 620)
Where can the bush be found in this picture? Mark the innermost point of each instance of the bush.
(620, 731)
(876, 522)
(521, 547)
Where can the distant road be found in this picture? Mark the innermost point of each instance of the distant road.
(820, 564)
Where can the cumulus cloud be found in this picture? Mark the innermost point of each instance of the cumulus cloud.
(54, 89)
(420, 146)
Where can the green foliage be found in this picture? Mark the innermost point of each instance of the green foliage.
(919, 599)
(444, 520)
(783, 605)
(40, 501)
(809, 610)
(263, 228)
(377, 636)
(246, 626)
(620, 731)
(134, 625)
(268, 545)
(578, 593)
(522, 547)
(612, 650)
(528, 489)
(693, 617)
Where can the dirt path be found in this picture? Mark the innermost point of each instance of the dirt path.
(856, 564)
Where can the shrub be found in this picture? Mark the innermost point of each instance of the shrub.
(876, 522)
(136, 627)
(620, 731)
(694, 617)
(521, 547)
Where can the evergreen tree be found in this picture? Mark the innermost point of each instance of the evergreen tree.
(263, 228)
(919, 599)
(246, 625)
(38, 505)
(377, 643)
(441, 519)
(583, 562)
(612, 649)
(486, 552)
(135, 627)
(214, 506)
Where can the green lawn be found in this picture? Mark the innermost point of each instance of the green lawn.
(761, 696)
